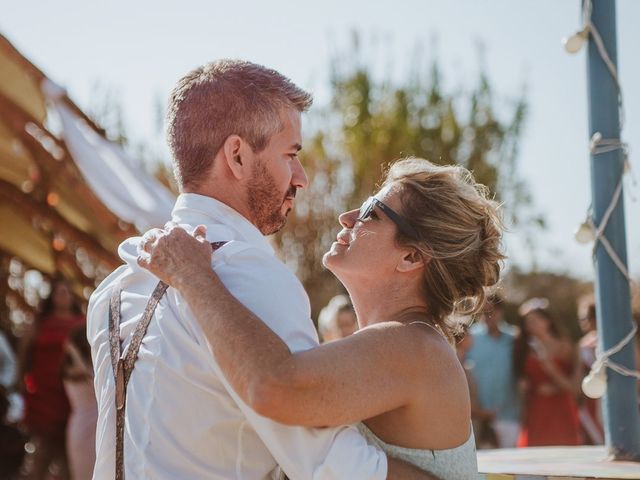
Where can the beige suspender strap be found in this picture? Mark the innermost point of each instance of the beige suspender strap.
(123, 364)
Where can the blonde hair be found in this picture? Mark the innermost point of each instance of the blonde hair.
(459, 232)
(220, 99)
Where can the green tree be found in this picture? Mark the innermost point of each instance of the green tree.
(369, 123)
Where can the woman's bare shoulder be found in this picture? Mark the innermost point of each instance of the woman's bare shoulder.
(423, 347)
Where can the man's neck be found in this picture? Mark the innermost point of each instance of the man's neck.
(225, 192)
(494, 331)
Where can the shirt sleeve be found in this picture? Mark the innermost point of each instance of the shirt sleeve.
(267, 288)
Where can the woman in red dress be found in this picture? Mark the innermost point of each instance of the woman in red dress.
(549, 372)
(41, 355)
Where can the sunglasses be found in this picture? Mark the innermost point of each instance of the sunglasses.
(372, 202)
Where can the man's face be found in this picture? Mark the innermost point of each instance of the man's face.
(346, 323)
(492, 315)
(277, 175)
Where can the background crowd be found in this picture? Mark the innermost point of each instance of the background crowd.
(524, 374)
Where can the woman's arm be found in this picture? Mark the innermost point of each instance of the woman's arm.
(366, 374)
(75, 368)
(570, 383)
(24, 354)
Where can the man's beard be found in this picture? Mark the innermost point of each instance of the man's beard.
(265, 203)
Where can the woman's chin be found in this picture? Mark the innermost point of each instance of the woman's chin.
(332, 257)
(327, 259)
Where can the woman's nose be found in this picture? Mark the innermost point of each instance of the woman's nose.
(348, 219)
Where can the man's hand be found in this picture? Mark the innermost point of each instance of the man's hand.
(173, 255)
(399, 470)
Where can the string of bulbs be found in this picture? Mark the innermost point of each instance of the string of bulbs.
(594, 384)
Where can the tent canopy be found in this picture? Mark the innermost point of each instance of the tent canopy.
(54, 215)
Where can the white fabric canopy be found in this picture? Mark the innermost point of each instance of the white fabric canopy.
(120, 182)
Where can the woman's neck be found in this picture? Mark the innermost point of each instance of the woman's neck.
(545, 336)
(64, 313)
(385, 301)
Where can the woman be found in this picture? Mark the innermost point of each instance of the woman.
(77, 373)
(548, 369)
(41, 355)
(425, 246)
(592, 431)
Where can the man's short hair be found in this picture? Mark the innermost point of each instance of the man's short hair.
(327, 319)
(220, 99)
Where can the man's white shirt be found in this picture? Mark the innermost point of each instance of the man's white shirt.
(183, 420)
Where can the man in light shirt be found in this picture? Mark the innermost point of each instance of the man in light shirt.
(492, 358)
(234, 131)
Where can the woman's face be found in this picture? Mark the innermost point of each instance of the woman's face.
(536, 324)
(366, 247)
(62, 297)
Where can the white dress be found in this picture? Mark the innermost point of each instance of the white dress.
(459, 463)
(81, 428)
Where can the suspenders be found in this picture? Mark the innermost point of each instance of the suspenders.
(123, 364)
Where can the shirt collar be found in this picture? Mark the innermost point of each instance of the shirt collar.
(194, 209)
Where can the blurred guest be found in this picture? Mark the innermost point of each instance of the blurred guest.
(549, 371)
(589, 340)
(7, 363)
(11, 441)
(338, 319)
(8, 377)
(483, 429)
(40, 361)
(590, 411)
(77, 374)
(492, 356)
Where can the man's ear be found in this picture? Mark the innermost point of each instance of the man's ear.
(234, 150)
(411, 260)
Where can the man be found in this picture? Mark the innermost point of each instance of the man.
(337, 319)
(492, 359)
(234, 131)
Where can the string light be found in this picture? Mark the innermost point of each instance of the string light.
(584, 233)
(574, 43)
(594, 384)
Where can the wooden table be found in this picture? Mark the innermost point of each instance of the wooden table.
(553, 463)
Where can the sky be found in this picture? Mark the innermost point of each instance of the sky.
(140, 48)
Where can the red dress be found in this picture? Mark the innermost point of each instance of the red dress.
(47, 407)
(548, 419)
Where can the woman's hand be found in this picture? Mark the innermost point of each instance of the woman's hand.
(175, 256)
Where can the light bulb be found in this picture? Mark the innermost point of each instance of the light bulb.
(574, 43)
(594, 385)
(584, 233)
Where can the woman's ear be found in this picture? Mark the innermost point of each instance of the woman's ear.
(411, 260)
